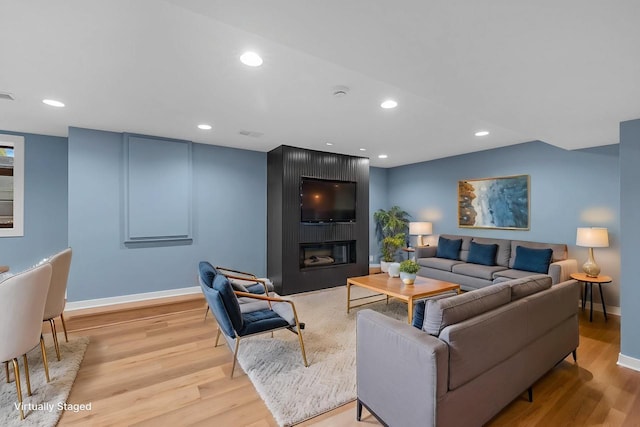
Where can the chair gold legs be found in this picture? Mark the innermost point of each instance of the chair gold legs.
(206, 312)
(44, 358)
(64, 328)
(16, 373)
(55, 337)
(26, 374)
(217, 337)
(6, 371)
(235, 356)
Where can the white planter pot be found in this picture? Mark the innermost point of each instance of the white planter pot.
(384, 266)
(407, 278)
(394, 269)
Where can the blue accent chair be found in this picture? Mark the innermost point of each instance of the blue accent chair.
(237, 321)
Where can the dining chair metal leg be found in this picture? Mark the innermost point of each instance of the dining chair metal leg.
(54, 332)
(235, 356)
(206, 312)
(217, 336)
(6, 371)
(16, 373)
(64, 328)
(43, 350)
(26, 374)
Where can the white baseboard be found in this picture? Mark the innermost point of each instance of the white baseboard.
(628, 362)
(598, 307)
(102, 302)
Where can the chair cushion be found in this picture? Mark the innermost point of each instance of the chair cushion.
(218, 309)
(444, 312)
(535, 260)
(530, 285)
(207, 273)
(482, 254)
(230, 301)
(261, 321)
(449, 249)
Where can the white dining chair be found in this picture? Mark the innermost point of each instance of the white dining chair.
(56, 298)
(22, 299)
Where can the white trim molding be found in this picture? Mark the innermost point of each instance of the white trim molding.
(628, 362)
(102, 302)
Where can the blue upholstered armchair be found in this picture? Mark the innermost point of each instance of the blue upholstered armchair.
(237, 321)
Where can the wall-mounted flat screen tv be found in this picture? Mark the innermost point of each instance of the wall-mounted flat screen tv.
(323, 200)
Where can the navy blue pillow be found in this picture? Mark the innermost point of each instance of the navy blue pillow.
(448, 248)
(418, 314)
(535, 260)
(482, 254)
(230, 301)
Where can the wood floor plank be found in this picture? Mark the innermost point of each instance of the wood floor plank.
(155, 364)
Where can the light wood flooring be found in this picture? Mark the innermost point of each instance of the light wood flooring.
(156, 365)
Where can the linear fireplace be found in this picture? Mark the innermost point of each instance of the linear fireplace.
(313, 255)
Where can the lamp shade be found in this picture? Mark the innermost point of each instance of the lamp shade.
(420, 228)
(592, 237)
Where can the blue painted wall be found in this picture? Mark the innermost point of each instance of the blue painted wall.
(229, 227)
(45, 203)
(569, 189)
(378, 199)
(629, 208)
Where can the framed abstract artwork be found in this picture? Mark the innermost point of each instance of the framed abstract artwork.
(501, 202)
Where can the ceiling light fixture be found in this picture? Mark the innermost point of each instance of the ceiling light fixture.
(482, 133)
(389, 103)
(53, 103)
(382, 156)
(251, 59)
(329, 143)
(363, 149)
(204, 127)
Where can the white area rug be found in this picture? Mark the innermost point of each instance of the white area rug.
(44, 407)
(292, 392)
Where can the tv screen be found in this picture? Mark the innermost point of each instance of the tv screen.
(324, 200)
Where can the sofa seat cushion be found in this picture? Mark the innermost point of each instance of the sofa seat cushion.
(511, 274)
(439, 263)
(444, 312)
(529, 285)
(477, 270)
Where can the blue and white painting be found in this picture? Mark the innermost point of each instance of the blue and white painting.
(494, 203)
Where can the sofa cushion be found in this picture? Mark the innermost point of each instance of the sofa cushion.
(535, 260)
(482, 254)
(229, 300)
(530, 285)
(509, 274)
(504, 249)
(444, 312)
(439, 263)
(477, 270)
(559, 250)
(464, 248)
(449, 248)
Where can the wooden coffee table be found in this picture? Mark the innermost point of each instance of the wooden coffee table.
(393, 287)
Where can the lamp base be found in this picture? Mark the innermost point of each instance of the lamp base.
(590, 268)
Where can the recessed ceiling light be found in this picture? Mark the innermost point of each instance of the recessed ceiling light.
(482, 133)
(389, 103)
(329, 143)
(363, 149)
(251, 59)
(53, 102)
(382, 156)
(204, 127)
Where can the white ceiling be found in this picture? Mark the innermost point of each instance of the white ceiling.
(564, 72)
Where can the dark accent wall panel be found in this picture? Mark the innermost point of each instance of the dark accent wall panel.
(286, 165)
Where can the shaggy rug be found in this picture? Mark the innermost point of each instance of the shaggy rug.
(292, 392)
(45, 406)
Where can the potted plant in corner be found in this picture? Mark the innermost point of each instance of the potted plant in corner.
(408, 270)
(389, 224)
(390, 246)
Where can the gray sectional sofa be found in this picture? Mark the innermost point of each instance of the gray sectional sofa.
(472, 276)
(467, 356)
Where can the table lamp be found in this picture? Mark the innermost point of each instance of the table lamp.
(420, 228)
(592, 237)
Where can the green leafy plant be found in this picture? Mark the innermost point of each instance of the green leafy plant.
(390, 246)
(409, 266)
(389, 225)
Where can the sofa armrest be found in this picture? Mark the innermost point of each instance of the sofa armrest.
(426, 251)
(399, 367)
(562, 270)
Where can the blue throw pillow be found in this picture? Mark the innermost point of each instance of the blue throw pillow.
(482, 254)
(448, 248)
(535, 260)
(418, 314)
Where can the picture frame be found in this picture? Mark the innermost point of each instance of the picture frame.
(495, 203)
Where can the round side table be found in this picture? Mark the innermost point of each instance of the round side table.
(588, 288)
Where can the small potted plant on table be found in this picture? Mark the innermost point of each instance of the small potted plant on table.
(408, 270)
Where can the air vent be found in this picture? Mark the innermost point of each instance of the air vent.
(7, 96)
(251, 133)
